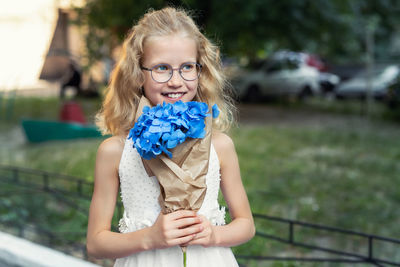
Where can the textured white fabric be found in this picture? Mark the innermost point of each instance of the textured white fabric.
(140, 193)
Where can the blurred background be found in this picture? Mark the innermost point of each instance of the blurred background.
(317, 85)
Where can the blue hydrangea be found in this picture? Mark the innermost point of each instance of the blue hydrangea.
(163, 127)
(215, 111)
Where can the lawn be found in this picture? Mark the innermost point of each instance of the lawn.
(319, 163)
(344, 177)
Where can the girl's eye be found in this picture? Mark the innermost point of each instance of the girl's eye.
(188, 67)
(161, 68)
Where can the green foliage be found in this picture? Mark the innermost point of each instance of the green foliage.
(108, 22)
(334, 29)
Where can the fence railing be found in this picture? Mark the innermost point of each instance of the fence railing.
(61, 186)
(57, 184)
(346, 256)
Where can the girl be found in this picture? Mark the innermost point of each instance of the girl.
(166, 59)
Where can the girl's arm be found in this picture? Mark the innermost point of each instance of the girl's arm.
(242, 224)
(168, 230)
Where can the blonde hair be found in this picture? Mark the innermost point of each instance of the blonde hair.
(118, 112)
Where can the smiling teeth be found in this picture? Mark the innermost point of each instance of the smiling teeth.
(176, 95)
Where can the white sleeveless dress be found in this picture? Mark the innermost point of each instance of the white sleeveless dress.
(140, 193)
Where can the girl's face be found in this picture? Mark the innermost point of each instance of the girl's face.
(173, 50)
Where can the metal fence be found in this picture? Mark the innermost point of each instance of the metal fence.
(342, 255)
(64, 187)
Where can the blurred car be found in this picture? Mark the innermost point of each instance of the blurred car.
(314, 61)
(381, 78)
(393, 94)
(328, 82)
(283, 74)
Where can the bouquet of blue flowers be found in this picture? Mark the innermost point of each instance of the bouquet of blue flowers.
(174, 140)
(163, 127)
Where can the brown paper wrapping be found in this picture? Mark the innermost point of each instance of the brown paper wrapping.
(182, 178)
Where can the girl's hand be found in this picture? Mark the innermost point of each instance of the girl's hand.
(206, 237)
(175, 229)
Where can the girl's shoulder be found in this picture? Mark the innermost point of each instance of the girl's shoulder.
(223, 144)
(221, 140)
(112, 146)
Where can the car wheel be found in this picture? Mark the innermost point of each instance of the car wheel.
(305, 93)
(327, 87)
(253, 94)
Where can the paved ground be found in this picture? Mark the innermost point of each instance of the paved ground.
(272, 115)
(275, 115)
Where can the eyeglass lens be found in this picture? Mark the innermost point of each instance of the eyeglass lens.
(163, 72)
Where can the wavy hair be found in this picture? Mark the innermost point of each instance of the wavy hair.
(117, 114)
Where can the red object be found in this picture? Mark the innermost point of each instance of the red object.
(72, 112)
(316, 62)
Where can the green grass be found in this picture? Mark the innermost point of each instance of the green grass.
(68, 157)
(347, 177)
(313, 171)
(338, 174)
(75, 158)
(14, 108)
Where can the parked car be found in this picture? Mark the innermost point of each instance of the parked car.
(283, 74)
(393, 94)
(328, 82)
(381, 78)
(314, 61)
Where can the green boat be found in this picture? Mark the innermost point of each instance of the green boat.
(40, 130)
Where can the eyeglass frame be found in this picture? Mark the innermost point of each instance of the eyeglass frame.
(172, 72)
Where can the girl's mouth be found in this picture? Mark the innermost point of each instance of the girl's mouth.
(173, 95)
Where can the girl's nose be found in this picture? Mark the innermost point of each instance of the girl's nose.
(176, 80)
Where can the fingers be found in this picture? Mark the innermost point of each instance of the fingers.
(184, 240)
(179, 241)
(196, 241)
(200, 239)
(176, 228)
(204, 233)
(186, 222)
(184, 218)
(182, 227)
(182, 214)
(181, 236)
(193, 230)
(206, 237)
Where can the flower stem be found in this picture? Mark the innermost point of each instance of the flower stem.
(184, 258)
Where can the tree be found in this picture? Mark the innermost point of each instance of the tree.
(108, 21)
(253, 28)
(327, 27)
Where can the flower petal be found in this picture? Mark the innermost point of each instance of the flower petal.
(215, 111)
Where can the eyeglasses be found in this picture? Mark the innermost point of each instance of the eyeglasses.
(162, 73)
